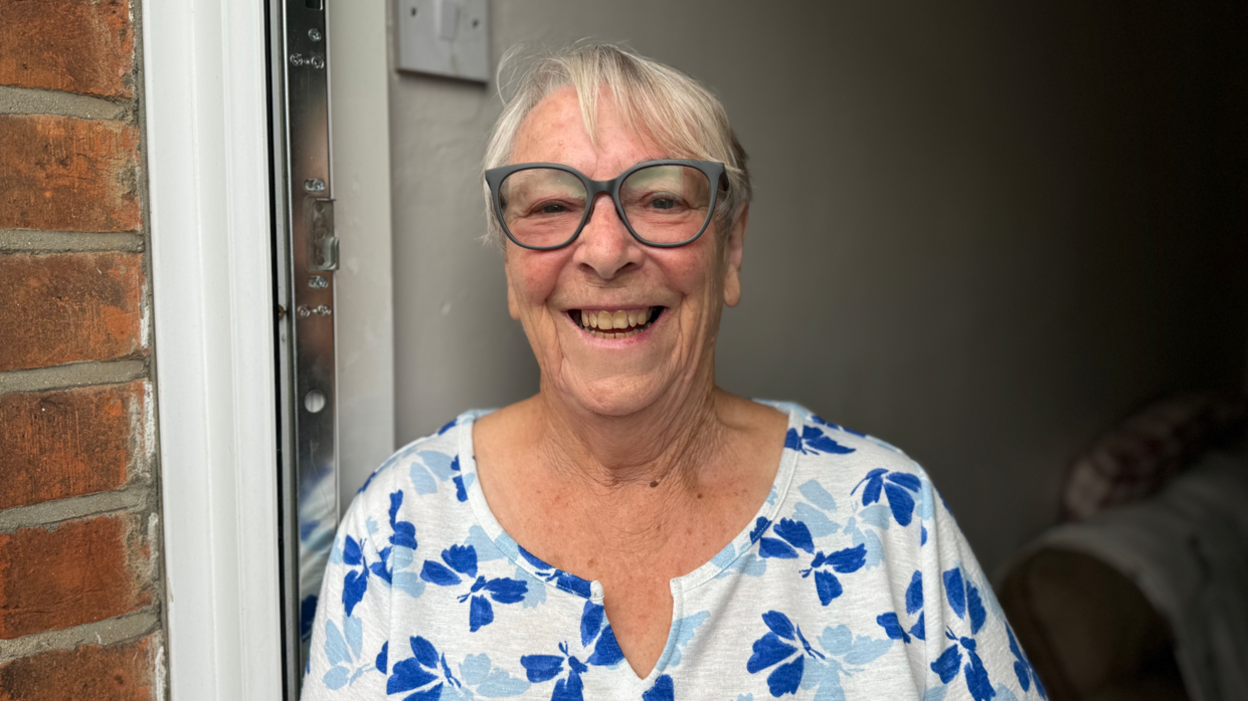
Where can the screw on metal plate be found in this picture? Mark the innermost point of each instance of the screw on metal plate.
(323, 310)
(281, 312)
(317, 62)
(314, 34)
(297, 60)
(303, 311)
(318, 282)
(314, 185)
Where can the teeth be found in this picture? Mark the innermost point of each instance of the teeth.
(605, 322)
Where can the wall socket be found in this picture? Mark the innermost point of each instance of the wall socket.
(445, 37)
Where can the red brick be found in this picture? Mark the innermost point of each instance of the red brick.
(69, 307)
(68, 443)
(80, 46)
(80, 572)
(121, 672)
(68, 174)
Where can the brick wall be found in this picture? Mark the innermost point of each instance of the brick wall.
(81, 614)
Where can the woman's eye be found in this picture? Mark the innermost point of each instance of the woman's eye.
(552, 208)
(663, 203)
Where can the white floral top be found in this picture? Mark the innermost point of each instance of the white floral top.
(853, 582)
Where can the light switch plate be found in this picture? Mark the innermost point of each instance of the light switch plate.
(445, 37)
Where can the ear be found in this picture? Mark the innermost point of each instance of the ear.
(734, 250)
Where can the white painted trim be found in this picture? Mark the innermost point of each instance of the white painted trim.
(207, 155)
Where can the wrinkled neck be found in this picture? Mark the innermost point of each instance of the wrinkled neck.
(666, 443)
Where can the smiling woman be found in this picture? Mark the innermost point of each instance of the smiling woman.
(633, 531)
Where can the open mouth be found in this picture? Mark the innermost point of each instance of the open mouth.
(615, 324)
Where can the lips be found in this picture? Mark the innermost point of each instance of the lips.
(620, 323)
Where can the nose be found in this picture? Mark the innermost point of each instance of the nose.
(605, 246)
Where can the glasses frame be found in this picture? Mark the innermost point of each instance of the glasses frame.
(714, 171)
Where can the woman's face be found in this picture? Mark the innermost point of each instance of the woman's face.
(605, 271)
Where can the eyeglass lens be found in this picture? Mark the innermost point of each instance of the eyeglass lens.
(664, 204)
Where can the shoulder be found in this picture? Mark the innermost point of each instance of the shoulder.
(873, 490)
(428, 470)
(838, 453)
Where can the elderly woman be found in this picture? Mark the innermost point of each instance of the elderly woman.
(634, 531)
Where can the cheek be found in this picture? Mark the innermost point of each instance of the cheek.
(697, 275)
(531, 279)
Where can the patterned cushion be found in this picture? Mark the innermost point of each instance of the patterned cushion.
(1138, 456)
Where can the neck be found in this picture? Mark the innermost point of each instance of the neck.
(664, 444)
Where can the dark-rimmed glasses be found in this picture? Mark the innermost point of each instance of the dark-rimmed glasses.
(666, 203)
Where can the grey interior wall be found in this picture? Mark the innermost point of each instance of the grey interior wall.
(980, 232)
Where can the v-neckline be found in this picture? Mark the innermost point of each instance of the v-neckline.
(592, 590)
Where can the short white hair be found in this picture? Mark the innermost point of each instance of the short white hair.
(679, 113)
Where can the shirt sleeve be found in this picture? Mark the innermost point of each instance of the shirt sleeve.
(348, 656)
(969, 649)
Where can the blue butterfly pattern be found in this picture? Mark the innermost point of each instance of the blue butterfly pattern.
(1022, 667)
(779, 648)
(813, 441)
(425, 673)
(890, 621)
(965, 602)
(606, 653)
(344, 650)
(394, 575)
(897, 486)
(564, 580)
(462, 560)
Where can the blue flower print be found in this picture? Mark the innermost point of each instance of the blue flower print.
(819, 420)
(966, 603)
(686, 628)
(462, 560)
(480, 676)
(842, 561)
(891, 623)
(355, 583)
(564, 580)
(947, 667)
(425, 673)
(1022, 667)
(344, 651)
(812, 441)
(461, 493)
(403, 535)
(897, 486)
(777, 646)
(795, 534)
(745, 562)
(663, 690)
(814, 509)
(847, 654)
(606, 652)
(433, 466)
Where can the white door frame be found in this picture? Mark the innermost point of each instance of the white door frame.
(206, 110)
(206, 107)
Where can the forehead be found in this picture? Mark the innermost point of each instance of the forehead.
(554, 132)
